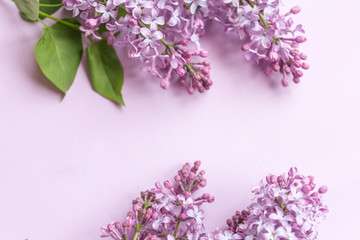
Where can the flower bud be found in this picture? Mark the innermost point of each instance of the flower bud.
(180, 71)
(296, 79)
(323, 190)
(92, 22)
(284, 82)
(165, 83)
(245, 47)
(184, 42)
(205, 196)
(203, 183)
(305, 66)
(295, 10)
(158, 185)
(182, 82)
(191, 90)
(191, 175)
(168, 184)
(177, 178)
(133, 22)
(204, 53)
(303, 56)
(300, 39)
(182, 216)
(306, 189)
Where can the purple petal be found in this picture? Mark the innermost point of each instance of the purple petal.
(136, 12)
(145, 32)
(100, 8)
(157, 35)
(147, 4)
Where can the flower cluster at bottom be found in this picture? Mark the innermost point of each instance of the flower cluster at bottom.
(285, 207)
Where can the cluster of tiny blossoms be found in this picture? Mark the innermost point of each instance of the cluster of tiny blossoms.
(286, 207)
(163, 34)
(270, 38)
(169, 211)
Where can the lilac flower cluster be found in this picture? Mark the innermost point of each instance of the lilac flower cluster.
(270, 38)
(169, 211)
(163, 34)
(285, 207)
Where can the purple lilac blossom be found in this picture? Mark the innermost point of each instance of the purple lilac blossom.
(164, 35)
(171, 50)
(285, 207)
(171, 210)
(270, 37)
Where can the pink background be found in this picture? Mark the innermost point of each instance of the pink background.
(71, 166)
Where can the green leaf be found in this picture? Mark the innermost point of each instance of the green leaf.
(121, 13)
(58, 53)
(49, 10)
(107, 74)
(29, 9)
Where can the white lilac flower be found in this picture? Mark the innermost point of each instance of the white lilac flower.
(227, 235)
(107, 11)
(185, 202)
(158, 216)
(273, 233)
(154, 19)
(151, 37)
(191, 236)
(137, 6)
(194, 4)
(195, 213)
(175, 16)
(160, 220)
(165, 202)
(281, 217)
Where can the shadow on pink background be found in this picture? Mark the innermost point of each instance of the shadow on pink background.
(69, 167)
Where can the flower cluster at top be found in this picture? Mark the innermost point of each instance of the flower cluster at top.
(270, 38)
(169, 211)
(164, 34)
(286, 207)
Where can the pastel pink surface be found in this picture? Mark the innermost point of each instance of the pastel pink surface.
(69, 167)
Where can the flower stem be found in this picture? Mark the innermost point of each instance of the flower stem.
(50, 5)
(136, 234)
(39, 19)
(261, 18)
(177, 227)
(74, 26)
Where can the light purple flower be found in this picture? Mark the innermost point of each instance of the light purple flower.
(107, 11)
(273, 233)
(165, 202)
(195, 213)
(154, 20)
(137, 6)
(175, 16)
(150, 38)
(279, 216)
(195, 4)
(227, 235)
(160, 220)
